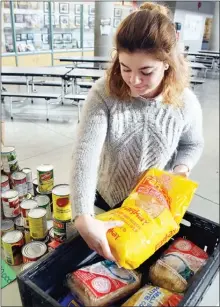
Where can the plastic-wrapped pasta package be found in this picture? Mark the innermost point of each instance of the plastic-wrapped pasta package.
(177, 265)
(151, 216)
(102, 283)
(153, 296)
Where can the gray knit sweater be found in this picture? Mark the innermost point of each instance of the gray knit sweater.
(117, 141)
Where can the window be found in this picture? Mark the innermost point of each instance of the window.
(7, 37)
(66, 26)
(89, 25)
(31, 26)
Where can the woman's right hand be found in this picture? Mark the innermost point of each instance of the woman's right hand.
(94, 233)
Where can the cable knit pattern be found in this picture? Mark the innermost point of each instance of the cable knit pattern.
(117, 141)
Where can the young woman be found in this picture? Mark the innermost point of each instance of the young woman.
(141, 115)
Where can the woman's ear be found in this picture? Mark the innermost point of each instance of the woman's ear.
(166, 66)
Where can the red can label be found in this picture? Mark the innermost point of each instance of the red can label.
(11, 207)
(21, 187)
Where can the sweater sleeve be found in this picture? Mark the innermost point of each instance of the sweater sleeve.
(191, 143)
(90, 138)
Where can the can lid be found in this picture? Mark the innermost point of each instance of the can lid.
(43, 193)
(34, 249)
(4, 178)
(18, 175)
(12, 236)
(37, 213)
(8, 149)
(61, 190)
(26, 170)
(28, 204)
(42, 200)
(27, 265)
(19, 221)
(51, 233)
(6, 224)
(10, 194)
(45, 168)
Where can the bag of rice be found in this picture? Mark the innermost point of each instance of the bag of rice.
(153, 296)
(151, 216)
(102, 283)
(177, 265)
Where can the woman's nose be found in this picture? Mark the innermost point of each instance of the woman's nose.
(135, 79)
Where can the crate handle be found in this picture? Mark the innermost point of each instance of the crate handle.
(186, 223)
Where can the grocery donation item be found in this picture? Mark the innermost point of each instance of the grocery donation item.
(102, 283)
(45, 177)
(153, 296)
(151, 216)
(177, 265)
(9, 160)
(12, 242)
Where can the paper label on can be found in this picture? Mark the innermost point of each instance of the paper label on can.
(21, 187)
(62, 208)
(9, 162)
(38, 227)
(45, 181)
(11, 207)
(5, 186)
(12, 252)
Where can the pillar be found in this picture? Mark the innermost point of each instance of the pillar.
(103, 43)
(214, 38)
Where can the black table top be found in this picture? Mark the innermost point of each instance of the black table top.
(35, 71)
(90, 59)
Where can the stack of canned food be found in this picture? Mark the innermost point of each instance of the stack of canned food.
(36, 215)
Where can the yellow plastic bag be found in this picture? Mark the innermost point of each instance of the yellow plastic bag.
(151, 216)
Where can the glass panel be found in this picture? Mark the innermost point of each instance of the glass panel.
(7, 39)
(89, 23)
(31, 26)
(66, 25)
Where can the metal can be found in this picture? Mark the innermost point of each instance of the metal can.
(19, 223)
(19, 182)
(49, 194)
(62, 210)
(27, 265)
(51, 234)
(62, 230)
(45, 240)
(12, 243)
(9, 160)
(28, 196)
(33, 251)
(26, 206)
(45, 177)
(27, 235)
(4, 183)
(49, 224)
(35, 185)
(28, 173)
(43, 201)
(6, 226)
(10, 202)
(38, 223)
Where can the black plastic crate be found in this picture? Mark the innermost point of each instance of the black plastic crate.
(43, 284)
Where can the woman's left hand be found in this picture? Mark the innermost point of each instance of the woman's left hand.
(181, 170)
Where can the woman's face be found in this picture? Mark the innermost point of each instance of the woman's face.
(142, 72)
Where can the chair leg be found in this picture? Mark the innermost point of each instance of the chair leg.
(11, 110)
(47, 110)
(78, 111)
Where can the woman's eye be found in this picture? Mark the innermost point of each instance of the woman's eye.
(146, 74)
(126, 70)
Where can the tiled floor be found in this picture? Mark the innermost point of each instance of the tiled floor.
(37, 142)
